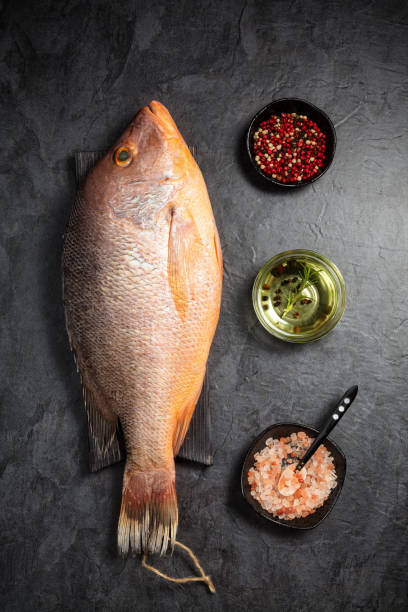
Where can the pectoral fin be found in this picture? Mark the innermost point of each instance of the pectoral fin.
(183, 250)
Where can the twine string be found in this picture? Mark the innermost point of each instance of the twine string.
(202, 578)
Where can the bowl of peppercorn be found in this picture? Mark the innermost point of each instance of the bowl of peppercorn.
(291, 142)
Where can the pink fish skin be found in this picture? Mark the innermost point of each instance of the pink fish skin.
(142, 277)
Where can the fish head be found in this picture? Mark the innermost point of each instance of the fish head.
(151, 148)
(138, 176)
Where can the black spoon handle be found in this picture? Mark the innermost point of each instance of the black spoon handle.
(334, 418)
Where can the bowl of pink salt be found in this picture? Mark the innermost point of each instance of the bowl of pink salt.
(274, 495)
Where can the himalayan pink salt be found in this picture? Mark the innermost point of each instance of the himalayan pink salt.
(264, 476)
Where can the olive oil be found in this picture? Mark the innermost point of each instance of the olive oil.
(299, 296)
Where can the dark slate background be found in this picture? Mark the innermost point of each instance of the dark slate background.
(72, 76)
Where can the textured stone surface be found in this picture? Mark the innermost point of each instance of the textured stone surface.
(72, 75)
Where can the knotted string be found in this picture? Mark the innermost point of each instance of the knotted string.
(203, 578)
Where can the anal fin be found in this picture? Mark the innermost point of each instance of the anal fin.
(197, 443)
(104, 447)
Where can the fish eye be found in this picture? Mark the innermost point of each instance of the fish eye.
(123, 156)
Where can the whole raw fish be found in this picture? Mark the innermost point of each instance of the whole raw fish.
(142, 274)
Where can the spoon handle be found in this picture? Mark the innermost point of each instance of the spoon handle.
(334, 418)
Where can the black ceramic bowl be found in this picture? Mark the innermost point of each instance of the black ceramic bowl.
(283, 430)
(294, 105)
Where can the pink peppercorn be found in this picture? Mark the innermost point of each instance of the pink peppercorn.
(289, 147)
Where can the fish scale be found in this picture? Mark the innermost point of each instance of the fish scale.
(142, 275)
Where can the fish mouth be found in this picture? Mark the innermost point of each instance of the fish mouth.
(153, 107)
(158, 113)
(163, 118)
(157, 108)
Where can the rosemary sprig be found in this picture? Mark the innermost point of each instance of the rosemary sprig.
(308, 277)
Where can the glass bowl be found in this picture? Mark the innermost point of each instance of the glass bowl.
(283, 430)
(319, 306)
(294, 105)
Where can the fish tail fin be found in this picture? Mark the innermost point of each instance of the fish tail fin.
(148, 515)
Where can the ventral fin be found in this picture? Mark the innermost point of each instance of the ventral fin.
(183, 250)
(104, 448)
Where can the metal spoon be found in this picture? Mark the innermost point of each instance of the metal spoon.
(293, 475)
